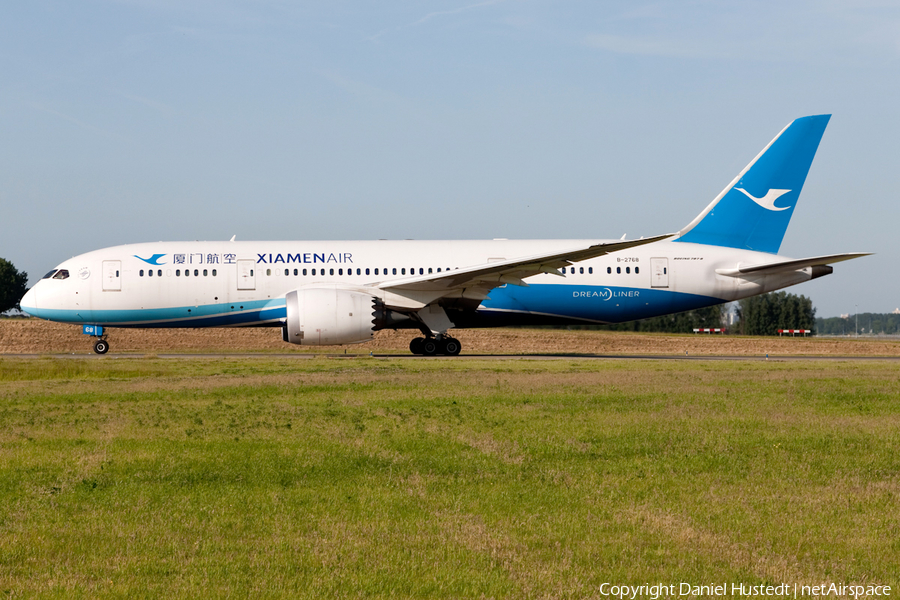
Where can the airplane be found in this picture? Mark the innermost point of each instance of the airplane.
(342, 292)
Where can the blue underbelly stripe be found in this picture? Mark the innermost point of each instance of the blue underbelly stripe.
(209, 315)
(606, 304)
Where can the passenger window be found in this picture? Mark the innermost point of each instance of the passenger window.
(429, 270)
(590, 270)
(149, 273)
(331, 271)
(581, 270)
(608, 270)
(214, 272)
(395, 270)
(340, 271)
(141, 272)
(637, 270)
(268, 272)
(618, 270)
(628, 270)
(439, 269)
(287, 272)
(197, 273)
(205, 273)
(187, 272)
(421, 271)
(304, 272)
(664, 271)
(177, 272)
(403, 271)
(367, 270)
(563, 270)
(358, 271)
(159, 272)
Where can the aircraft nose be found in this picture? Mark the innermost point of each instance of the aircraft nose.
(29, 302)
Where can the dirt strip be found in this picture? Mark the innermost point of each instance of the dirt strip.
(33, 336)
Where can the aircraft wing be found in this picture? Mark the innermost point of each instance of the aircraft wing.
(790, 265)
(482, 278)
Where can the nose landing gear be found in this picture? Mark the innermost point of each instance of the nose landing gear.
(101, 346)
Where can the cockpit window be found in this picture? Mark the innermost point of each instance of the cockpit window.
(49, 275)
(61, 274)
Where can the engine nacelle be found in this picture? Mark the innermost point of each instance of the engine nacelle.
(322, 316)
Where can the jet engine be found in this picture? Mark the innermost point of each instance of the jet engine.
(322, 316)
(329, 315)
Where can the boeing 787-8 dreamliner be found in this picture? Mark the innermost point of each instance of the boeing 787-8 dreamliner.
(341, 292)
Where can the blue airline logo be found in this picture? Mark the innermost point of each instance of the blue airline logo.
(153, 260)
(767, 201)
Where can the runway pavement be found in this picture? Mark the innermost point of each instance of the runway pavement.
(299, 356)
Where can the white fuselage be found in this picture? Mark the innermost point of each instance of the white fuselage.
(195, 284)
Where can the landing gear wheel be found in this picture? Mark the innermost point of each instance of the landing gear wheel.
(450, 347)
(415, 346)
(429, 347)
(101, 346)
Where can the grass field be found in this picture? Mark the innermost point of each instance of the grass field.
(442, 479)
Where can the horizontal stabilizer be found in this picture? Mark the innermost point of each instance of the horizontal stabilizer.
(789, 265)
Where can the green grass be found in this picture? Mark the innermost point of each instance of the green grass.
(440, 478)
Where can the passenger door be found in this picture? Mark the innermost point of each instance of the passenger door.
(659, 272)
(246, 275)
(112, 275)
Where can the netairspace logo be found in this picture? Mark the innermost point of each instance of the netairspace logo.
(744, 590)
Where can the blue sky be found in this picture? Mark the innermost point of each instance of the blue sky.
(155, 120)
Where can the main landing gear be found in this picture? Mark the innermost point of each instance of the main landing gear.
(431, 346)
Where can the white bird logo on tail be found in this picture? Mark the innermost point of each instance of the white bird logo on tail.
(767, 201)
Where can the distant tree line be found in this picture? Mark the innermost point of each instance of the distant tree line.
(758, 315)
(766, 314)
(683, 322)
(886, 323)
(13, 285)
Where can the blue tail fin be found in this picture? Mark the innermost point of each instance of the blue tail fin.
(745, 214)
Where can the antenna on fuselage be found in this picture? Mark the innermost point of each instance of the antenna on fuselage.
(232, 238)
